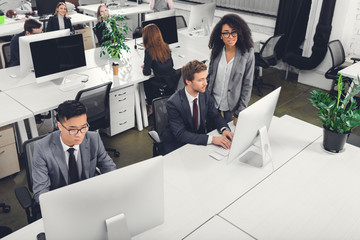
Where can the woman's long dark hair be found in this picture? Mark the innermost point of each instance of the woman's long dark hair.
(244, 41)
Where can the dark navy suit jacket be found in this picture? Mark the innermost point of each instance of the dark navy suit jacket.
(180, 128)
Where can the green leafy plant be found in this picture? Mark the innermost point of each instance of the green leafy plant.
(340, 114)
(114, 34)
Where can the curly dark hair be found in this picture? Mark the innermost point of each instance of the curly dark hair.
(244, 41)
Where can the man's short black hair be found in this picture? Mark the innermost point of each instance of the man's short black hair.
(30, 24)
(69, 109)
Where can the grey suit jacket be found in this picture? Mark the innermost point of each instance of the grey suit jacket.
(49, 169)
(241, 79)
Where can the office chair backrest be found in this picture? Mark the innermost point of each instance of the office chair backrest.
(5, 54)
(337, 53)
(160, 113)
(96, 100)
(180, 22)
(268, 49)
(28, 150)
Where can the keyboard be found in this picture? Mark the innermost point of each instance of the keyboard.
(219, 153)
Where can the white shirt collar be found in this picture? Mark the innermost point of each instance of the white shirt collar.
(189, 97)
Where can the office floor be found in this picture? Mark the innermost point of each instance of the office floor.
(136, 146)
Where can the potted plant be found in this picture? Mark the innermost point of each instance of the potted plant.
(2, 17)
(339, 115)
(114, 32)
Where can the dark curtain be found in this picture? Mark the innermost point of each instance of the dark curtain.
(291, 21)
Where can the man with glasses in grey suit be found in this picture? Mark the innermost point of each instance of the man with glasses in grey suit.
(70, 154)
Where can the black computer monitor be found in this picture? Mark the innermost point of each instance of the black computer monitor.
(167, 28)
(58, 57)
(46, 7)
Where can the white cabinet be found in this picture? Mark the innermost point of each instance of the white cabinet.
(9, 162)
(122, 115)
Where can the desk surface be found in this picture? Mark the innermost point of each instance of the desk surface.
(352, 71)
(133, 8)
(197, 187)
(313, 196)
(12, 27)
(12, 111)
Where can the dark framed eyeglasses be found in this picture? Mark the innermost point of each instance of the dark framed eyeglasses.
(76, 131)
(227, 34)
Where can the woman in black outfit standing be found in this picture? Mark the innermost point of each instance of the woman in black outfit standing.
(102, 15)
(60, 20)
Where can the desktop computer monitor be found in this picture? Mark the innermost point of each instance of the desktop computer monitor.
(200, 15)
(81, 210)
(250, 121)
(46, 7)
(26, 63)
(161, 14)
(58, 57)
(167, 28)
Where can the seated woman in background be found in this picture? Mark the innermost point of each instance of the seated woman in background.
(60, 20)
(158, 58)
(161, 5)
(102, 15)
(231, 68)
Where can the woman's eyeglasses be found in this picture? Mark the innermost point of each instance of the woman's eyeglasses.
(227, 34)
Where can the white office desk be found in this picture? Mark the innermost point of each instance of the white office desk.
(352, 71)
(197, 187)
(14, 27)
(132, 9)
(14, 112)
(314, 196)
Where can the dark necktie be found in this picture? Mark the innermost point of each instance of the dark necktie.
(73, 170)
(195, 115)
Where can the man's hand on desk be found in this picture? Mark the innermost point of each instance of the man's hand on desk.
(223, 141)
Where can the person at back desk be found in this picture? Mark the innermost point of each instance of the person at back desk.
(161, 5)
(157, 57)
(102, 15)
(60, 20)
(188, 111)
(70, 154)
(31, 26)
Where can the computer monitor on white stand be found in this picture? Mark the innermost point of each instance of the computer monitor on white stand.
(26, 63)
(201, 17)
(251, 132)
(124, 203)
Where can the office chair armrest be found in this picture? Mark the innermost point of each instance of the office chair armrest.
(154, 136)
(355, 59)
(24, 197)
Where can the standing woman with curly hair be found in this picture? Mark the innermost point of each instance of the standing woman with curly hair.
(158, 58)
(231, 69)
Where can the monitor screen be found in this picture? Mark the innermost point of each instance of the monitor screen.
(58, 57)
(201, 14)
(250, 121)
(167, 28)
(80, 210)
(26, 63)
(46, 7)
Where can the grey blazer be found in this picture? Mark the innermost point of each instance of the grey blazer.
(241, 79)
(49, 169)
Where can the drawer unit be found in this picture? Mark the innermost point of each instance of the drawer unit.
(9, 163)
(122, 114)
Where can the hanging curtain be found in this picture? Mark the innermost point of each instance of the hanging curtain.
(291, 21)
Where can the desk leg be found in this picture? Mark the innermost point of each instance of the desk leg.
(33, 127)
(92, 34)
(138, 108)
(143, 105)
(21, 135)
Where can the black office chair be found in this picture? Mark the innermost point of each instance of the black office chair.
(4, 230)
(23, 194)
(96, 100)
(6, 55)
(338, 62)
(180, 22)
(160, 121)
(264, 59)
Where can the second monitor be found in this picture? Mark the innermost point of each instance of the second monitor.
(167, 28)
